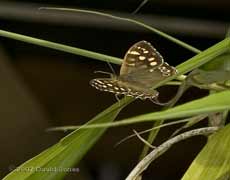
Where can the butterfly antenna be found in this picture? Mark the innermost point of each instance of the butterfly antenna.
(103, 72)
(140, 6)
(111, 67)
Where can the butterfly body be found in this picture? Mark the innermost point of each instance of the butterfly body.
(143, 66)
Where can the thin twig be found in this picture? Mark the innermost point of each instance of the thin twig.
(147, 130)
(140, 6)
(145, 162)
(171, 38)
(143, 140)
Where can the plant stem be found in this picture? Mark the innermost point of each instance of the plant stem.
(144, 163)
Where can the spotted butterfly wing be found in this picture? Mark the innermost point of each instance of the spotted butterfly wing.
(143, 66)
(118, 87)
(146, 78)
(140, 56)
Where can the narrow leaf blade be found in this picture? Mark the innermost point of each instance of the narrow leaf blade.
(213, 162)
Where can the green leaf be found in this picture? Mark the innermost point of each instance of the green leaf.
(212, 103)
(67, 152)
(213, 162)
(200, 77)
(214, 71)
(60, 47)
(221, 62)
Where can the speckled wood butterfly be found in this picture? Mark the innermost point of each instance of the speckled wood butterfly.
(143, 66)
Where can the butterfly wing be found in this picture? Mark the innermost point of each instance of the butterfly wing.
(108, 84)
(122, 88)
(143, 66)
(140, 56)
(147, 78)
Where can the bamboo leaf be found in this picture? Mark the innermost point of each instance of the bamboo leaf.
(213, 103)
(66, 153)
(213, 162)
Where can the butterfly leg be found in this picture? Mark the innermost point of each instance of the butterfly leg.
(117, 98)
(155, 100)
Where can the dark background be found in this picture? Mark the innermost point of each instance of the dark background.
(42, 88)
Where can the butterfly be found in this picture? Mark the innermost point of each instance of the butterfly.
(142, 67)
